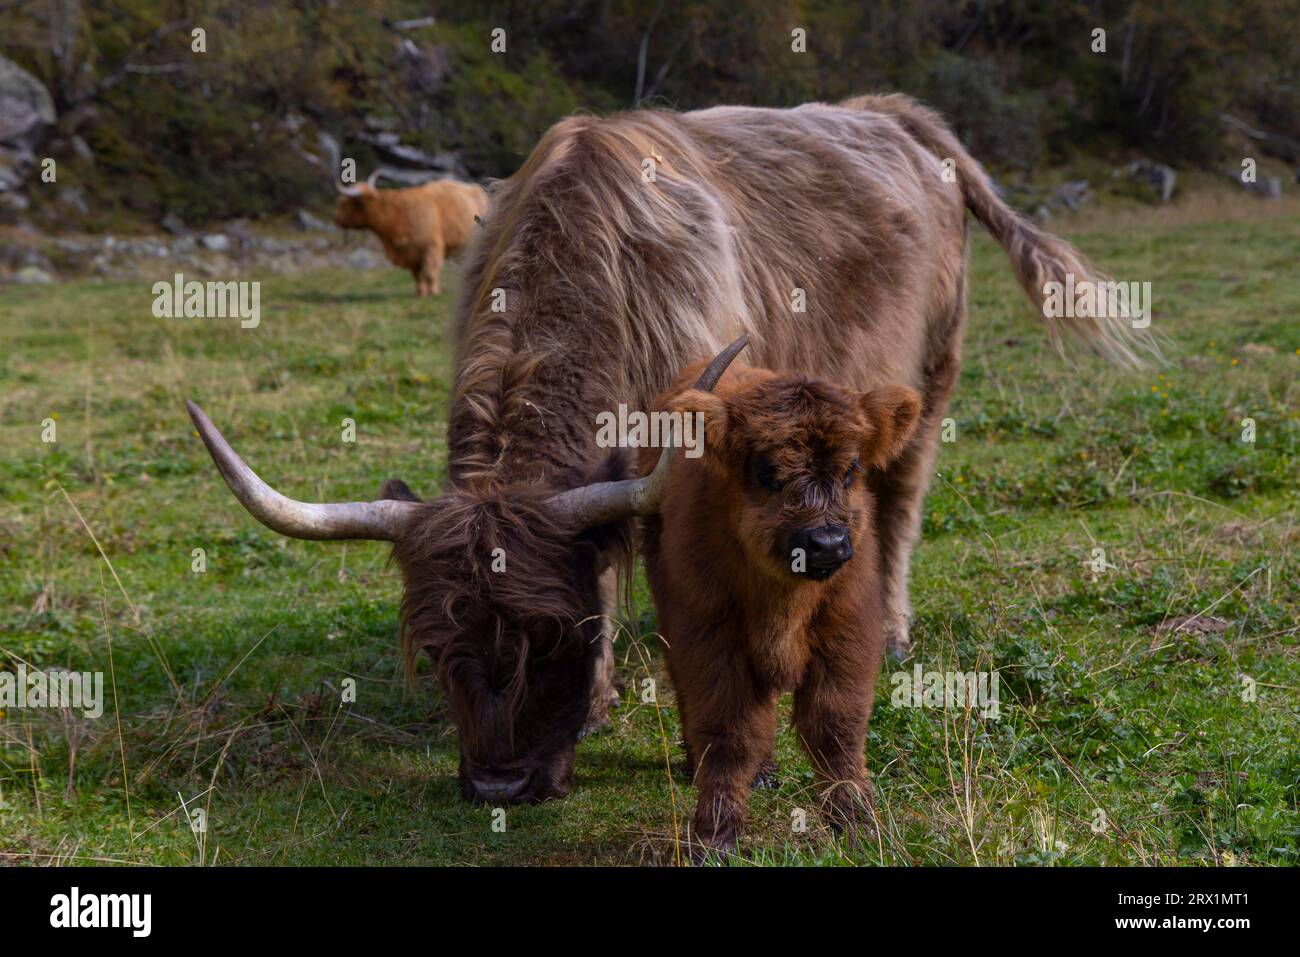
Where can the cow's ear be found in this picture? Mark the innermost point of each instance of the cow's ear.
(713, 441)
(398, 491)
(891, 413)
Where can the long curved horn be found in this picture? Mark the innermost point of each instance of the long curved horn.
(373, 177)
(377, 521)
(346, 190)
(590, 505)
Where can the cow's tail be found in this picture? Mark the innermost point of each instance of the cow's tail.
(1038, 258)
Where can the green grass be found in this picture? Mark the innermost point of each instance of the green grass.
(228, 682)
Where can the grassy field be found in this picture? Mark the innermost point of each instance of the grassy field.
(1123, 738)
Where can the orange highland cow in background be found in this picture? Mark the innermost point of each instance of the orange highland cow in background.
(419, 226)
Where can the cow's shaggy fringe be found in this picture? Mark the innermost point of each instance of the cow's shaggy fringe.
(455, 601)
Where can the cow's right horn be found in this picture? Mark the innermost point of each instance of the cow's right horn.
(380, 521)
(590, 505)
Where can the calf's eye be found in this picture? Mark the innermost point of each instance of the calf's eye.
(853, 470)
(765, 475)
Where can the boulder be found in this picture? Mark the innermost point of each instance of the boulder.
(1157, 175)
(26, 107)
(26, 113)
(1265, 187)
(31, 276)
(173, 224)
(363, 258)
(309, 223)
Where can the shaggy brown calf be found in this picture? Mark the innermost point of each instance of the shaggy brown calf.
(419, 226)
(765, 571)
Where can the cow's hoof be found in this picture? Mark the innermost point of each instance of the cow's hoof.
(595, 724)
(766, 777)
(898, 642)
(898, 646)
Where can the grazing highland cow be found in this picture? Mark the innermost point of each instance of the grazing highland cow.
(419, 226)
(623, 249)
(764, 566)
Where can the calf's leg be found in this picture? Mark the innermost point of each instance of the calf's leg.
(832, 707)
(730, 726)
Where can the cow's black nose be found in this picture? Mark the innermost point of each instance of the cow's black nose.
(826, 548)
(493, 789)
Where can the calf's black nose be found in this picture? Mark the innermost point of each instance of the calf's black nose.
(826, 548)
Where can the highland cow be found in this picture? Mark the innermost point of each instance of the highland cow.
(419, 226)
(624, 248)
(764, 566)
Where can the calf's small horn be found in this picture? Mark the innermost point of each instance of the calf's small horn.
(590, 505)
(380, 521)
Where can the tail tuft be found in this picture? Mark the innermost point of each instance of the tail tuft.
(1040, 260)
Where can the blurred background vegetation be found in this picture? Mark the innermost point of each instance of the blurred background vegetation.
(146, 127)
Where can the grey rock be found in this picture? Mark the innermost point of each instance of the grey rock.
(307, 222)
(31, 276)
(363, 258)
(1268, 187)
(26, 107)
(1163, 178)
(215, 242)
(174, 225)
(16, 163)
(82, 149)
(74, 198)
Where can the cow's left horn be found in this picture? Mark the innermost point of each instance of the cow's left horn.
(601, 502)
(377, 521)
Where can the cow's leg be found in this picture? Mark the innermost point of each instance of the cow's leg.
(832, 707)
(431, 267)
(900, 496)
(604, 688)
(731, 725)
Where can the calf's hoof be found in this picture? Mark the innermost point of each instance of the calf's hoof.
(852, 812)
(714, 849)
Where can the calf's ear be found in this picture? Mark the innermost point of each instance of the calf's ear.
(891, 412)
(712, 442)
